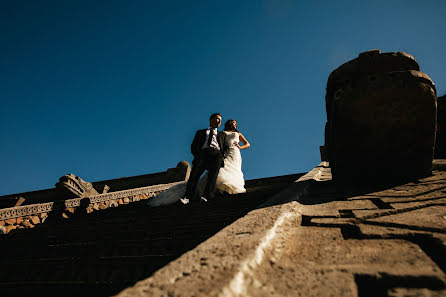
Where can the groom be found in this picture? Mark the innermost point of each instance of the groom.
(207, 148)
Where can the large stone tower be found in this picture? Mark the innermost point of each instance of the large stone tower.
(381, 111)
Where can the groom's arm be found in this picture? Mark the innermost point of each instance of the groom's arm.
(194, 148)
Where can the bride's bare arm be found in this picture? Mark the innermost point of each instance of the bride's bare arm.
(244, 141)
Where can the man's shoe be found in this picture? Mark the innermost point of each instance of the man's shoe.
(184, 200)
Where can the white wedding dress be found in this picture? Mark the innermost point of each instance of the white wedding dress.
(229, 178)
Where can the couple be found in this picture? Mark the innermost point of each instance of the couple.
(218, 153)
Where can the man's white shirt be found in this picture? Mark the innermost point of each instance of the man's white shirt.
(214, 142)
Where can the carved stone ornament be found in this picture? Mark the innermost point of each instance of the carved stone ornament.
(150, 191)
(74, 185)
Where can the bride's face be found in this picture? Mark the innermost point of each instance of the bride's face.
(234, 125)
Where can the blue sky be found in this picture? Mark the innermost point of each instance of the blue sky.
(105, 89)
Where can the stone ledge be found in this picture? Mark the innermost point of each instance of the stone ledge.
(439, 164)
(20, 217)
(179, 173)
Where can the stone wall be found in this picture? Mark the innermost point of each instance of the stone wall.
(28, 216)
(55, 208)
(179, 173)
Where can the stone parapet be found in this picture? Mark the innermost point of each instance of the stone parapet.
(26, 216)
(179, 173)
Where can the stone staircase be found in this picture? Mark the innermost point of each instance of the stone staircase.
(105, 251)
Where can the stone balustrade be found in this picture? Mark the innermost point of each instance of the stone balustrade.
(28, 216)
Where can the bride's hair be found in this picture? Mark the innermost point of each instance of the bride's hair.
(228, 126)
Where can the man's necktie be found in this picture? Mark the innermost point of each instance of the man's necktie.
(211, 134)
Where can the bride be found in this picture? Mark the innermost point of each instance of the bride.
(229, 179)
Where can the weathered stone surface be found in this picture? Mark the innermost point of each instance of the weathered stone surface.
(177, 174)
(183, 170)
(70, 209)
(11, 221)
(75, 186)
(20, 201)
(95, 253)
(10, 228)
(26, 223)
(381, 111)
(106, 189)
(35, 220)
(329, 241)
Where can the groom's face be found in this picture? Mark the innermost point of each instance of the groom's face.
(215, 122)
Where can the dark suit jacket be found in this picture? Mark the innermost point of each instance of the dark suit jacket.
(200, 138)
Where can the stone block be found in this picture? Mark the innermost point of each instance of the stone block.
(183, 170)
(35, 220)
(20, 201)
(106, 189)
(10, 228)
(11, 221)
